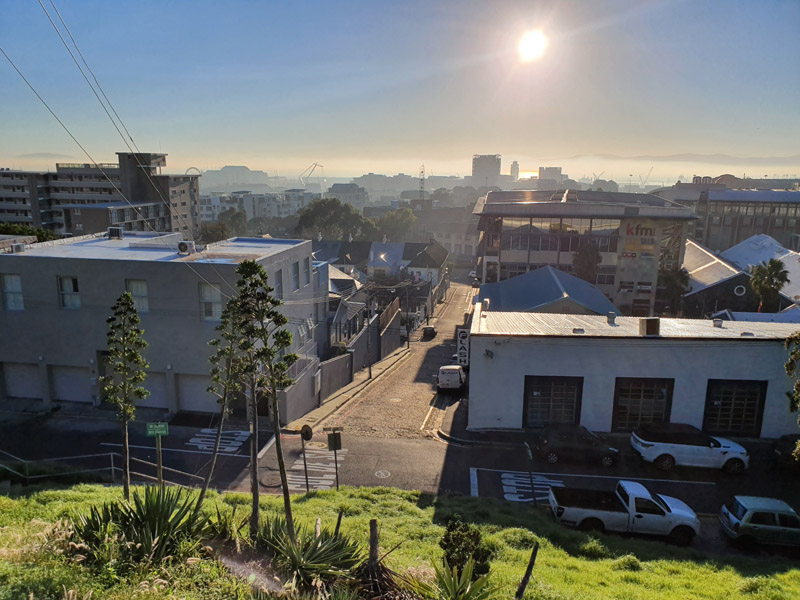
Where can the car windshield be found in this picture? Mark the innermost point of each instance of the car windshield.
(660, 501)
(737, 510)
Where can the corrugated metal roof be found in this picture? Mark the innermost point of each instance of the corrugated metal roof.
(753, 196)
(760, 248)
(704, 267)
(587, 326)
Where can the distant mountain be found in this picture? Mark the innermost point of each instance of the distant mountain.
(716, 159)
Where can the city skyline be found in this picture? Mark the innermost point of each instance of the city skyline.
(364, 88)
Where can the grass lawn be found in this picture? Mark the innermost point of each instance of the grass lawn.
(570, 564)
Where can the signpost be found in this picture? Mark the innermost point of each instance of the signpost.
(334, 443)
(462, 346)
(156, 430)
(529, 452)
(305, 436)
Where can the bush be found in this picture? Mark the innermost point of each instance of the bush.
(593, 548)
(462, 543)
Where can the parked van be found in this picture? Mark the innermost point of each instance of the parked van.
(450, 378)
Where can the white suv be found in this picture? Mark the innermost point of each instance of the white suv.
(670, 444)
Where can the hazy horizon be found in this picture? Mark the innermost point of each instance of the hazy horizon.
(361, 87)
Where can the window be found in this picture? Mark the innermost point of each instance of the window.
(78, 226)
(76, 211)
(306, 271)
(734, 407)
(68, 296)
(210, 302)
(12, 292)
(552, 400)
(791, 521)
(763, 518)
(279, 284)
(295, 276)
(138, 289)
(648, 507)
(638, 401)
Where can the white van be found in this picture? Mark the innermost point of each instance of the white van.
(450, 378)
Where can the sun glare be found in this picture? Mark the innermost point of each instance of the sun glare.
(532, 45)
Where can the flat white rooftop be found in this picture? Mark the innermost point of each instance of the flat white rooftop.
(159, 248)
(592, 326)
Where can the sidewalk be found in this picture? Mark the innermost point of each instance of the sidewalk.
(361, 380)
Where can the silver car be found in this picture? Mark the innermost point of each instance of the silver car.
(749, 519)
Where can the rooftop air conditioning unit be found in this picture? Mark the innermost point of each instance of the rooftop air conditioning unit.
(115, 233)
(186, 247)
(17, 248)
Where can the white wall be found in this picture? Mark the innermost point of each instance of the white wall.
(497, 384)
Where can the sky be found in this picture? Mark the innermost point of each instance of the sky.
(385, 87)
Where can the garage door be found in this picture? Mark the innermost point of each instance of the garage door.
(192, 394)
(156, 383)
(552, 400)
(638, 401)
(734, 407)
(22, 380)
(71, 384)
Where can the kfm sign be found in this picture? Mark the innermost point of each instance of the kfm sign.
(462, 346)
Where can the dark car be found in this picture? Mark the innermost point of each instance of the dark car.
(574, 443)
(429, 331)
(476, 283)
(783, 448)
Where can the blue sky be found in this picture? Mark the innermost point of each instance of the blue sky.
(387, 86)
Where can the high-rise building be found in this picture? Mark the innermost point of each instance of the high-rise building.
(515, 171)
(485, 169)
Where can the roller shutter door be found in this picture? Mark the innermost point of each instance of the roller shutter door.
(156, 383)
(192, 394)
(22, 380)
(71, 384)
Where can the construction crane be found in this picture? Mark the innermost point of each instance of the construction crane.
(644, 181)
(595, 177)
(306, 175)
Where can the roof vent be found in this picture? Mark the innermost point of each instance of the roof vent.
(650, 326)
(717, 323)
(17, 248)
(115, 233)
(611, 318)
(747, 334)
(578, 330)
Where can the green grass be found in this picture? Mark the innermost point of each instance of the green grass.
(570, 564)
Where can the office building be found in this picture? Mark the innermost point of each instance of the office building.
(485, 170)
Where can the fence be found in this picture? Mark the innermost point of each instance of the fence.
(335, 374)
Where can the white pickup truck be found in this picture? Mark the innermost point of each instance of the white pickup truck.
(630, 508)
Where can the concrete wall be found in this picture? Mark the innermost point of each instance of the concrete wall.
(299, 398)
(390, 336)
(497, 384)
(362, 351)
(335, 374)
(50, 337)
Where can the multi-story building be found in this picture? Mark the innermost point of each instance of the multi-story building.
(349, 193)
(45, 199)
(726, 217)
(485, 170)
(637, 235)
(515, 171)
(63, 291)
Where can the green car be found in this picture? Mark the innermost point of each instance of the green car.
(753, 519)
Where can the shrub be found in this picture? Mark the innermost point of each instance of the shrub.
(627, 563)
(462, 543)
(594, 549)
(452, 585)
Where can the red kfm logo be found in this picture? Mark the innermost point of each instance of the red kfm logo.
(638, 230)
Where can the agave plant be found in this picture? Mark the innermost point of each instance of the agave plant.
(309, 560)
(452, 585)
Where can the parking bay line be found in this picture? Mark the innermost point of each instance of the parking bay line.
(247, 456)
(473, 477)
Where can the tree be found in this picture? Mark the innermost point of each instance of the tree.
(396, 224)
(793, 346)
(42, 235)
(335, 221)
(767, 280)
(234, 220)
(676, 284)
(264, 367)
(213, 232)
(585, 262)
(225, 381)
(128, 369)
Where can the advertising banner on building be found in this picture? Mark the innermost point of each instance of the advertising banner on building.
(462, 346)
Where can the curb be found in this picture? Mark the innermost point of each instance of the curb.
(450, 439)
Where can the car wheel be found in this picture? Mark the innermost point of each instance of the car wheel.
(734, 466)
(607, 461)
(665, 462)
(682, 535)
(592, 525)
(551, 457)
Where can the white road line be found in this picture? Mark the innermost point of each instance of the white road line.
(174, 450)
(425, 420)
(473, 481)
(595, 476)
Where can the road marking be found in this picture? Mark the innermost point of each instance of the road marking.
(517, 485)
(321, 470)
(172, 450)
(230, 441)
(616, 477)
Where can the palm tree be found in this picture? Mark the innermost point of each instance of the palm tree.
(675, 283)
(767, 280)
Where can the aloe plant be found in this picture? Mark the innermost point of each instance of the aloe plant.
(452, 585)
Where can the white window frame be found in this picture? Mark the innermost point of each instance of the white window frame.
(68, 299)
(210, 301)
(137, 288)
(278, 287)
(295, 276)
(11, 286)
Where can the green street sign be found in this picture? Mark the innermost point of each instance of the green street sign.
(156, 429)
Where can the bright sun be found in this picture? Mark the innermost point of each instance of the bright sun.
(532, 45)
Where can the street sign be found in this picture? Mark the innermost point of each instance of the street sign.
(157, 429)
(335, 441)
(462, 346)
(306, 433)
